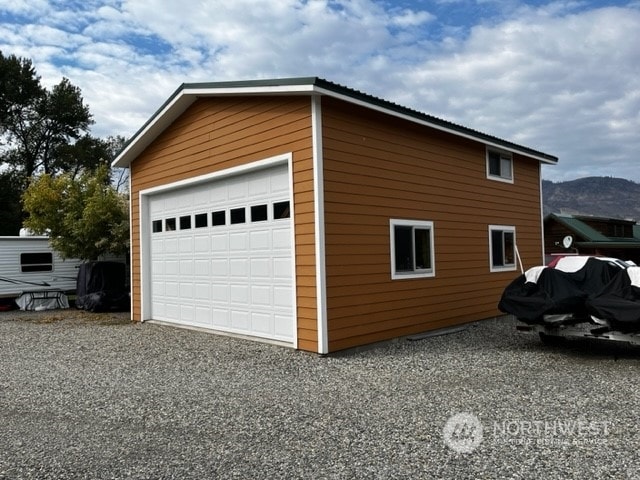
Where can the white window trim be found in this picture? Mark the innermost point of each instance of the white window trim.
(420, 273)
(498, 178)
(505, 268)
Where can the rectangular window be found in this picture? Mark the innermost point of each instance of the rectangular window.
(238, 215)
(36, 262)
(412, 253)
(170, 224)
(156, 226)
(218, 218)
(258, 213)
(499, 165)
(281, 210)
(185, 222)
(201, 220)
(502, 248)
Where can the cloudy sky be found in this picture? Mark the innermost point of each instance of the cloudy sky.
(561, 77)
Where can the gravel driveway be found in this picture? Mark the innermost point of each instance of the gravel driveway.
(95, 396)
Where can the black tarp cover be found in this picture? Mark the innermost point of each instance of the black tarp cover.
(619, 301)
(101, 286)
(556, 292)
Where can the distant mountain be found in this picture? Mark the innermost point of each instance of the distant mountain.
(597, 196)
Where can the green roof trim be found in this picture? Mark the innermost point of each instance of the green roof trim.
(580, 228)
(590, 237)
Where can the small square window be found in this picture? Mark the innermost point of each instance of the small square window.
(170, 224)
(238, 215)
(218, 218)
(499, 165)
(281, 210)
(201, 220)
(156, 226)
(185, 222)
(258, 213)
(502, 248)
(412, 253)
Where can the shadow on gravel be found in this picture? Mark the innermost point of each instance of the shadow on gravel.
(587, 348)
(68, 315)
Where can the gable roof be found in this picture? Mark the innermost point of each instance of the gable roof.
(188, 93)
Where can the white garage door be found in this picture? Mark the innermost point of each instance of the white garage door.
(221, 255)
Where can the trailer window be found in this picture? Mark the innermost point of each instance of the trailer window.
(36, 262)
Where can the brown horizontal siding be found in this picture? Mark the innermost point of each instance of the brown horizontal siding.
(376, 169)
(216, 134)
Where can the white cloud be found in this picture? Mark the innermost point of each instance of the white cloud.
(560, 78)
(408, 18)
(567, 85)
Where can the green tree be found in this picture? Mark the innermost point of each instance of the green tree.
(87, 153)
(42, 131)
(20, 89)
(11, 187)
(85, 217)
(39, 130)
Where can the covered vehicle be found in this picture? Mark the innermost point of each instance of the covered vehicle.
(559, 292)
(579, 296)
(617, 305)
(101, 287)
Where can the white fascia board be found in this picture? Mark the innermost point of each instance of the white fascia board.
(253, 90)
(182, 101)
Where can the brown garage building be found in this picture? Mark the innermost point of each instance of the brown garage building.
(302, 212)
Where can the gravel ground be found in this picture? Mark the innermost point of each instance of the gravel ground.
(97, 397)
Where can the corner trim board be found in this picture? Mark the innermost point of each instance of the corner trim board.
(318, 194)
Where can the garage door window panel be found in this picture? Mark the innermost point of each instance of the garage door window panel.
(259, 213)
(238, 215)
(185, 222)
(218, 218)
(281, 210)
(201, 220)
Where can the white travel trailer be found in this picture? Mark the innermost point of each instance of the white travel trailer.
(28, 263)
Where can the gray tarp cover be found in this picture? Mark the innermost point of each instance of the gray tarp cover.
(101, 286)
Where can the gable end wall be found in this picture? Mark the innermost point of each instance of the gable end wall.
(215, 134)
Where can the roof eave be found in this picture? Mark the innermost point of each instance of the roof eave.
(443, 126)
(187, 94)
(175, 105)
